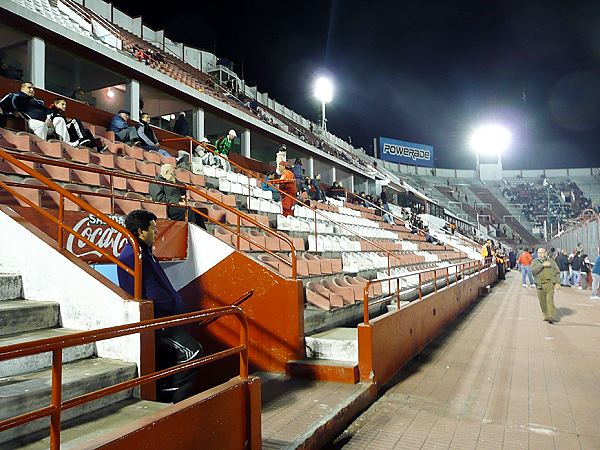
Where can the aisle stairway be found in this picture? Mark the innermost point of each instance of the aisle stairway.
(25, 382)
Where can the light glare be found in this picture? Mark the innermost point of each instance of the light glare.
(490, 139)
(324, 89)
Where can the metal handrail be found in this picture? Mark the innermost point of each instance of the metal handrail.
(478, 265)
(57, 344)
(136, 273)
(193, 141)
(113, 173)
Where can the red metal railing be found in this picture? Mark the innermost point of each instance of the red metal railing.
(136, 272)
(240, 216)
(466, 268)
(57, 344)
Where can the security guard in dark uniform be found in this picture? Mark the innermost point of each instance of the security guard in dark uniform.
(547, 280)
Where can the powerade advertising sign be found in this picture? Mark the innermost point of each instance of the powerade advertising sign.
(402, 152)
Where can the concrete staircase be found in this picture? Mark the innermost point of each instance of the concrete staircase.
(25, 383)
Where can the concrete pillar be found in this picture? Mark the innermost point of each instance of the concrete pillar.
(132, 99)
(198, 123)
(311, 167)
(333, 175)
(245, 143)
(36, 52)
(351, 187)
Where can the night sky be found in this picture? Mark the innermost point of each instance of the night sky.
(426, 72)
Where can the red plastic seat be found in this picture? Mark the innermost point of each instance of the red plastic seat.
(347, 293)
(85, 177)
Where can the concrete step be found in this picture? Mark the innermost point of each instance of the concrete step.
(18, 316)
(324, 370)
(24, 393)
(77, 432)
(340, 344)
(11, 286)
(43, 360)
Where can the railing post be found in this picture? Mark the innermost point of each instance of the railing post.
(398, 293)
(112, 195)
(316, 227)
(434, 280)
(366, 302)
(244, 353)
(56, 399)
(448, 276)
(61, 218)
(238, 221)
(420, 291)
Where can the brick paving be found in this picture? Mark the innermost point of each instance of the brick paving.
(501, 378)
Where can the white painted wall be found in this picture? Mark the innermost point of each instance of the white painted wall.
(85, 303)
(204, 252)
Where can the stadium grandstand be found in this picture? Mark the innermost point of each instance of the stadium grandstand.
(307, 293)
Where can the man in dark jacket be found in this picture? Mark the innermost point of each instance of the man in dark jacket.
(30, 108)
(123, 132)
(147, 136)
(562, 261)
(576, 263)
(181, 126)
(315, 183)
(173, 194)
(173, 345)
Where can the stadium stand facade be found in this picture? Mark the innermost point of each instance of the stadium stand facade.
(332, 293)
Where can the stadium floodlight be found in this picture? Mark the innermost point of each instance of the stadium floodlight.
(490, 139)
(324, 93)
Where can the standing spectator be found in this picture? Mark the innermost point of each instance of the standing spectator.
(585, 271)
(547, 280)
(181, 126)
(576, 262)
(173, 345)
(487, 251)
(147, 136)
(30, 108)
(297, 170)
(595, 279)
(383, 196)
(123, 132)
(512, 258)
(79, 95)
(175, 195)
(316, 185)
(525, 260)
(287, 184)
(222, 148)
(562, 261)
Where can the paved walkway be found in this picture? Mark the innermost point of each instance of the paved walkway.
(500, 379)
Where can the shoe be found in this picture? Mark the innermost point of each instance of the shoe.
(532, 285)
(524, 285)
(594, 297)
(551, 321)
(579, 287)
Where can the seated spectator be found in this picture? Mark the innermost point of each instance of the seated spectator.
(147, 136)
(297, 170)
(173, 194)
(79, 95)
(70, 131)
(265, 186)
(223, 146)
(336, 190)
(173, 345)
(33, 110)
(181, 126)
(123, 132)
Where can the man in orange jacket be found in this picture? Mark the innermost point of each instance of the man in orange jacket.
(287, 184)
(525, 262)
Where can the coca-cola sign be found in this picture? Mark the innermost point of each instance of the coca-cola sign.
(170, 245)
(100, 234)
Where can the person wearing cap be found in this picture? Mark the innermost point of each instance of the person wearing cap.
(119, 126)
(223, 146)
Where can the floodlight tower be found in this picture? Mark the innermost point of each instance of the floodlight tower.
(323, 93)
(490, 140)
